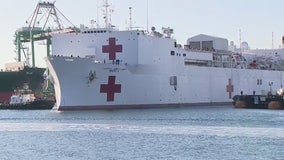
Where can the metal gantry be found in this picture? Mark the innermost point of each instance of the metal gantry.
(44, 21)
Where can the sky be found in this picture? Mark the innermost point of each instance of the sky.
(253, 21)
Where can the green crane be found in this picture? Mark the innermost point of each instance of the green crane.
(44, 21)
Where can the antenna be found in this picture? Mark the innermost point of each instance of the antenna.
(272, 36)
(106, 5)
(147, 17)
(130, 18)
(240, 39)
(98, 14)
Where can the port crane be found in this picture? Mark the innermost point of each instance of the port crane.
(45, 21)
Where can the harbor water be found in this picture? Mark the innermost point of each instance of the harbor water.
(198, 133)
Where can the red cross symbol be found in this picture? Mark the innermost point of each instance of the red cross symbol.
(110, 88)
(230, 88)
(112, 48)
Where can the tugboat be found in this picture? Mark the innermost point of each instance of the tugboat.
(24, 99)
(15, 75)
(268, 101)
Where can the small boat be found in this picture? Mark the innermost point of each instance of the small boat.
(268, 101)
(24, 99)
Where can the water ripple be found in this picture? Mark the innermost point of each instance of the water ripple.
(148, 129)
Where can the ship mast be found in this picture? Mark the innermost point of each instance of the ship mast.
(272, 38)
(106, 5)
(130, 18)
(240, 40)
(147, 16)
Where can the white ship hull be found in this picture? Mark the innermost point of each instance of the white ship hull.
(128, 69)
(145, 86)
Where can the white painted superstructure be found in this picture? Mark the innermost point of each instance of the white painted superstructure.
(106, 68)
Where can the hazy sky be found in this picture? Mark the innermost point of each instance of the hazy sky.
(256, 19)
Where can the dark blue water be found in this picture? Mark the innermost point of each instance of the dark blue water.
(220, 132)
